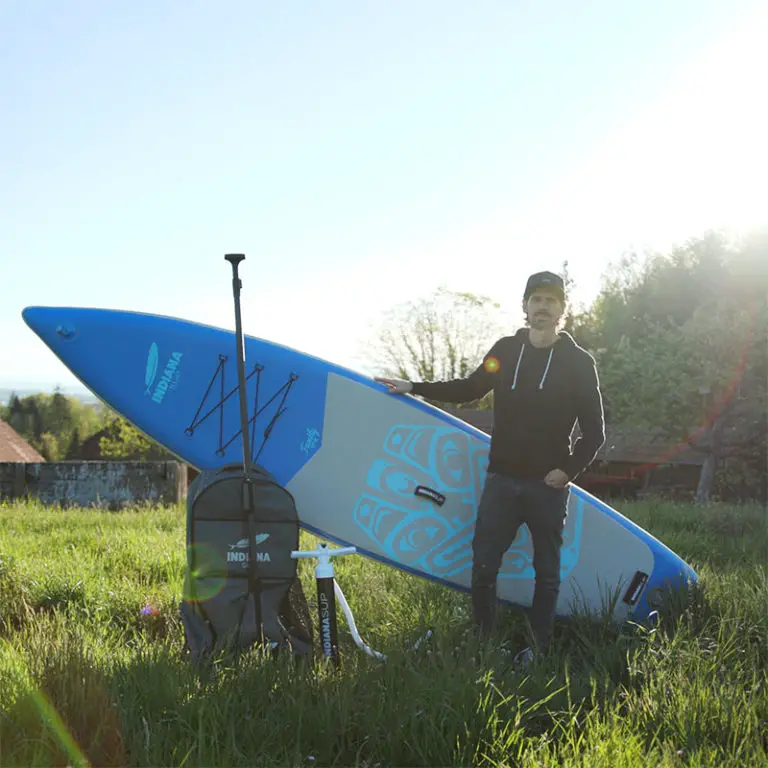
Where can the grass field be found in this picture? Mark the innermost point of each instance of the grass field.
(87, 678)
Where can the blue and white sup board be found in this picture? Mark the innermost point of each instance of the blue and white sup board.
(391, 475)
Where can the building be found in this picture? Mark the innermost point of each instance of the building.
(90, 448)
(631, 462)
(14, 448)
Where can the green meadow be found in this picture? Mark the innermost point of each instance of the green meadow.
(86, 678)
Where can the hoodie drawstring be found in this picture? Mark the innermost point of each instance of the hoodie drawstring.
(546, 369)
(517, 367)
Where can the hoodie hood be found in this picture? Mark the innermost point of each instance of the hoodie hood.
(563, 336)
(563, 339)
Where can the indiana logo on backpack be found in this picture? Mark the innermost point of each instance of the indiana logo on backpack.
(241, 585)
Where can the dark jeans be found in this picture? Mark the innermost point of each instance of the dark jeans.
(506, 503)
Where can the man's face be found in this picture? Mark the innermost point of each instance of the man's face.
(544, 309)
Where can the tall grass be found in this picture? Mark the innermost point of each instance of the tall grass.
(87, 678)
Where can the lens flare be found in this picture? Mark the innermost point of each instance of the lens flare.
(207, 574)
(492, 365)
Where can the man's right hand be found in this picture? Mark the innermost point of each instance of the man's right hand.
(396, 386)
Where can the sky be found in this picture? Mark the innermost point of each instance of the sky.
(359, 153)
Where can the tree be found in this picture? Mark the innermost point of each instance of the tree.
(59, 418)
(439, 337)
(691, 358)
(48, 446)
(49, 422)
(577, 319)
(665, 289)
(57, 425)
(124, 441)
(75, 443)
(27, 417)
(696, 383)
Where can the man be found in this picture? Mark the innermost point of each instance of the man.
(543, 382)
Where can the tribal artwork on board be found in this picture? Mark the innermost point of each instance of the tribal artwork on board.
(446, 468)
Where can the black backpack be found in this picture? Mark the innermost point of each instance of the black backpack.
(241, 586)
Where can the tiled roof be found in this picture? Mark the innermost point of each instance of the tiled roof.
(13, 447)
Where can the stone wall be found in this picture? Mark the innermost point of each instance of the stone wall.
(110, 484)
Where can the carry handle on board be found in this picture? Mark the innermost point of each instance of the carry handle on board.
(247, 499)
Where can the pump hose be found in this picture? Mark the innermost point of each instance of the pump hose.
(353, 627)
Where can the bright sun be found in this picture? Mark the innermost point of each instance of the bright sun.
(697, 159)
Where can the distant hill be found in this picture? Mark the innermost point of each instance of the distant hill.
(24, 391)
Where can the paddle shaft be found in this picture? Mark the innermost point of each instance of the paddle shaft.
(247, 499)
(234, 259)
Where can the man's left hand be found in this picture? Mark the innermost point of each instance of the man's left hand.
(556, 479)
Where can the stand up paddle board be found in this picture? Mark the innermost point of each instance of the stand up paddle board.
(393, 476)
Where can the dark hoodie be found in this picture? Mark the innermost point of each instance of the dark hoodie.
(539, 394)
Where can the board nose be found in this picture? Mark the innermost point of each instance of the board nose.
(48, 323)
(35, 317)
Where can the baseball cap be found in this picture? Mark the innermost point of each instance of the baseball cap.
(545, 280)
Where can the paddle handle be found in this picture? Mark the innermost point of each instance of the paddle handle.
(234, 259)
